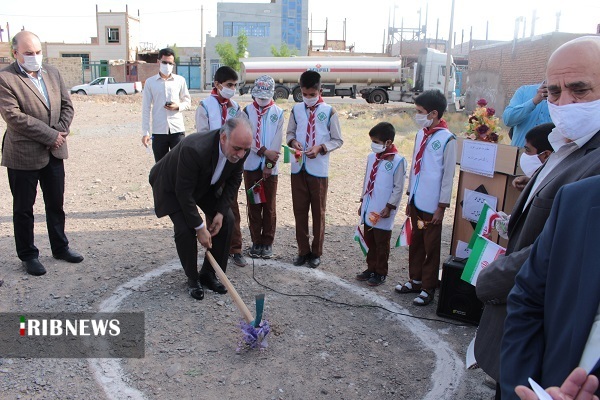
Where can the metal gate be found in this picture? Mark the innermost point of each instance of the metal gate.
(93, 70)
(191, 72)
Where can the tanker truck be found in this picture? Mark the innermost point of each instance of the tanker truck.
(376, 79)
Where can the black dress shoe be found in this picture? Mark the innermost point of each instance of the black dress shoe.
(314, 262)
(301, 260)
(213, 284)
(69, 256)
(195, 289)
(34, 267)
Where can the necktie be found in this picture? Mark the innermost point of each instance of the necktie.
(260, 114)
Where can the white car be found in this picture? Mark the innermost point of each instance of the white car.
(107, 85)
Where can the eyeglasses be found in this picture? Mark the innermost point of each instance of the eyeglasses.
(167, 63)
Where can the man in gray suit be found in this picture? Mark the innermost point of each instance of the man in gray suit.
(37, 109)
(573, 81)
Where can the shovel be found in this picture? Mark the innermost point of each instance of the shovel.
(254, 331)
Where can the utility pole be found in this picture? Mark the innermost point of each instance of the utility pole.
(558, 14)
(524, 26)
(202, 50)
(426, 18)
(449, 53)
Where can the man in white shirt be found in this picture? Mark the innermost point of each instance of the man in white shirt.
(165, 96)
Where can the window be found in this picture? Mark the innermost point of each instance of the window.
(85, 58)
(256, 29)
(112, 35)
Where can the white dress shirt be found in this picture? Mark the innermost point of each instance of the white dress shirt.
(157, 91)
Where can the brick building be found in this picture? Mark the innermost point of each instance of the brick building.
(498, 70)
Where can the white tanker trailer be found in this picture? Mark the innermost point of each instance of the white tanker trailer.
(376, 79)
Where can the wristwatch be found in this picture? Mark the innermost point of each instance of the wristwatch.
(269, 164)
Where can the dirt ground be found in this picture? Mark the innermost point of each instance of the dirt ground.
(327, 340)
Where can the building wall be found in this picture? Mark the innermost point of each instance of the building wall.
(100, 49)
(497, 71)
(70, 69)
(260, 12)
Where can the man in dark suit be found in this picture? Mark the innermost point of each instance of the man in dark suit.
(37, 109)
(553, 322)
(203, 170)
(574, 102)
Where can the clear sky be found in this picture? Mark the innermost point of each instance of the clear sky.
(179, 22)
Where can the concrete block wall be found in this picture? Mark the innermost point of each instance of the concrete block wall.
(497, 71)
(69, 67)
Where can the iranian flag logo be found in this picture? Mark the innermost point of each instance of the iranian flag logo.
(22, 326)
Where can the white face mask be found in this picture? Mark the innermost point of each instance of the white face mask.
(263, 102)
(377, 148)
(226, 93)
(166, 69)
(529, 163)
(310, 101)
(576, 120)
(32, 63)
(422, 121)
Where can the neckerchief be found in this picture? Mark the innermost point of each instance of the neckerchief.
(260, 114)
(310, 128)
(223, 102)
(426, 134)
(378, 157)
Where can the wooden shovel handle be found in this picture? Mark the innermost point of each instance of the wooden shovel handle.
(230, 289)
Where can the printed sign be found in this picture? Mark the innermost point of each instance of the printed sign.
(478, 157)
(473, 203)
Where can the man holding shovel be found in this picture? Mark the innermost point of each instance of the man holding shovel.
(203, 171)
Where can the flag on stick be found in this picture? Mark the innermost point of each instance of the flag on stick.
(358, 236)
(291, 152)
(256, 194)
(485, 223)
(405, 234)
(484, 252)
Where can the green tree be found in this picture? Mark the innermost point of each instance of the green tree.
(229, 55)
(284, 51)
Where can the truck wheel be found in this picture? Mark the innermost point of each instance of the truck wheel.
(121, 92)
(297, 94)
(281, 93)
(81, 92)
(377, 96)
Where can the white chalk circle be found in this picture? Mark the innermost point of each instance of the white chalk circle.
(449, 367)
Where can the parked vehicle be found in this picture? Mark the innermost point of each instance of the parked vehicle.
(107, 85)
(376, 79)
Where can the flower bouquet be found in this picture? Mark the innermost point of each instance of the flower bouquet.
(483, 123)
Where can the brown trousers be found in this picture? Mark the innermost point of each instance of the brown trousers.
(236, 234)
(424, 250)
(262, 217)
(378, 241)
(309, 192)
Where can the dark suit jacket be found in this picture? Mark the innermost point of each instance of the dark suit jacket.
(556, 295)
(495, 281)
(181, 179)
(32, 126)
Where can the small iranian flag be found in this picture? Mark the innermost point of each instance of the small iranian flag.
(288, 152)
(483, 253)
(256, 194)
(485, 223)
(358, 236)
(405, 234)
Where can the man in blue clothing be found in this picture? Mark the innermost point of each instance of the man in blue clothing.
(527, 108)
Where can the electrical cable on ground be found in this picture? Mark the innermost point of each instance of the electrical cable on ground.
(348, 304)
